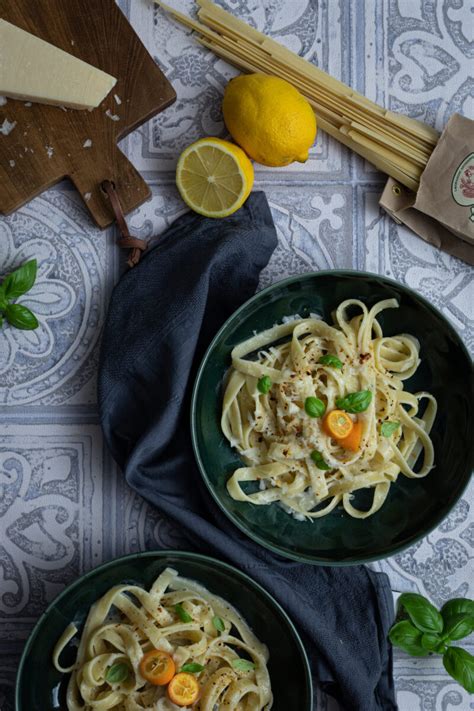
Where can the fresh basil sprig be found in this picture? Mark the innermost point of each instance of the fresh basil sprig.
(388, 427)
(429, 631)
(14, 285)
(182, 614)
(264, 384)
(192, 668)
(218, 623)
(314, 407)
(331, 360)
(460, 665)
(355, 402)
(421, 612)
(243, 665)
(319, 460)
(117, 673)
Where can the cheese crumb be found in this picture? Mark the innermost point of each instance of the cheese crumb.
(49, 151)
(117, 99)
(87, 143)
(12, 163)
(112, 116)
(87, 196)
(28, 103)
(3, 100)
(7, 127)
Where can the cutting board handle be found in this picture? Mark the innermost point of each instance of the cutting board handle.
(134, 244)
(130, 187)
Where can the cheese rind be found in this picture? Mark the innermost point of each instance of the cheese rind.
(35, 70)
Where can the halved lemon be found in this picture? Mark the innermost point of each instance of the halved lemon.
(214, 177)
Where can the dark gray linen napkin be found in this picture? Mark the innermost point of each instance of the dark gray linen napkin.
(162, 316)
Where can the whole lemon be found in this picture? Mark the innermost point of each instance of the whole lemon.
(269, 119)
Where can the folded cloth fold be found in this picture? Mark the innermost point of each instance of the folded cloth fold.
(161, 318)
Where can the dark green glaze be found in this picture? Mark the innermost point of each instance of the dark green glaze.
(413, 507)
(41, 688)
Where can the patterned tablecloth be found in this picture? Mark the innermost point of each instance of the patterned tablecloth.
(63, 505)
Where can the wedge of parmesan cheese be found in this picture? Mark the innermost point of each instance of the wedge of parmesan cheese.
(35, 70)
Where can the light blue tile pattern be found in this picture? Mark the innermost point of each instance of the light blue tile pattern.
(63, 505)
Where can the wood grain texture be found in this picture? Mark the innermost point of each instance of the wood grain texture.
(47, 143)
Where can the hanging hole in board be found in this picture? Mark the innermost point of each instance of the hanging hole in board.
(396, 189)
(103, 186)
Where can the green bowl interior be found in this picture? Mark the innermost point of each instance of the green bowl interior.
(413, 506)
(41, 688)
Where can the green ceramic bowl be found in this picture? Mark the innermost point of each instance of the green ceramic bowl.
(413, 507)
(40, 687)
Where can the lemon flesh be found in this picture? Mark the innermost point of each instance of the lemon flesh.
(269, 119)
(214, 177)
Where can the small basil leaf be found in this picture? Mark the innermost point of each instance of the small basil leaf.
(456, 606)
(192, 668)
(314, 407)
(457, 627)
(218, 623)
(407, 637)
(21, 317)
(243, 665)
(21, 280)
(388, 428)
(355, 402)
(318, 459)
(430, 641)
(460, 665)
(117, 673)
(441, 648)
(330, 360)
(182, 614)
(3, 300)
(422, 613)
(264, 384)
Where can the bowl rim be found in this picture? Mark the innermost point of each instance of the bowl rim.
(303, 557)
(164, 553)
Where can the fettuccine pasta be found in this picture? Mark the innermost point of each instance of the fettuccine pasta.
(172, 647)
(318, 412)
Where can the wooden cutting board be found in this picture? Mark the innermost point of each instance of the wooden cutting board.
(47, 143)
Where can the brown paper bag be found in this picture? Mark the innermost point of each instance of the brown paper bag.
(442, 211)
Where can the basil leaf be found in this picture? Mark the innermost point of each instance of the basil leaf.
(21, 280)
(457, 627)
(21, 317)
(456, 606)
(422, 613)
(243, 665)
(460, 665)
(182, 614)
(218, 623)
(264, 384)
(430, 641)
(318, 459)
(388, 428)
(355, 402)
(117, 673)
(192, 668)
(330, 360)
(408, 638)
(314, 407)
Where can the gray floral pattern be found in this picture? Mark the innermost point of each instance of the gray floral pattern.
(64, 506)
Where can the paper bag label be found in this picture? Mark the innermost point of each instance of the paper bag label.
(462, 187)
